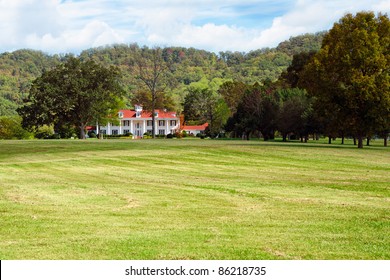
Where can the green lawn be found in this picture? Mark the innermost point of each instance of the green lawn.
(193, 199)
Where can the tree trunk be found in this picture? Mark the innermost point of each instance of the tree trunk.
(284, 137)
(360, 142)
(368, 141)
(342, 140)
(153, 114)
(385, 140)
(98, 131)
(354, 141)
(330, 140)
(82, 132)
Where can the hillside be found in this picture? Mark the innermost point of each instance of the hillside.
(192, 67)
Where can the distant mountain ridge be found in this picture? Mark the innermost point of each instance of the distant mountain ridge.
(192, 66)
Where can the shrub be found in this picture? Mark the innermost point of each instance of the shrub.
(55, 136)
(44, 132)
(92, 134)
(170, 136)
(11, 128)
(178, 135)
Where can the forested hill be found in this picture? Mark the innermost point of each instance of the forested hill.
(192, 67)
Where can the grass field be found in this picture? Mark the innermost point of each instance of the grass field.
(193, 199)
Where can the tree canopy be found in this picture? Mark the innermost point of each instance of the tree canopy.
(349, 76)
(188, 67)
(73, 95)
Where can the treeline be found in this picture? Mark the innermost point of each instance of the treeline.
(342, 90)
(334, 84)
(189, 67)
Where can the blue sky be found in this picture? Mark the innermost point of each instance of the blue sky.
(62, 26)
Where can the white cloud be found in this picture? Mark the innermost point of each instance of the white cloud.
(310, 17)
(382, 6)
(52, 26)
(70, 26)
(94, 34)
(213, 37)
(306, 16)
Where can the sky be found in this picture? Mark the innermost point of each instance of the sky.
(70, 26)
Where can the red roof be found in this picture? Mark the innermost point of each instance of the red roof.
(129, 114)
(195, 127)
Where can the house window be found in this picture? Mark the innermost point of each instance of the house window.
(103, 131)
(126, 131)
(149, 131)
(149, 123)
(173, 123)
(120, 115)
(138, 125)
(161, 123)
(114, 132)
(161, 132)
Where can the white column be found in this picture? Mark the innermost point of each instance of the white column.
(143, 127)
(120, 126)
(108, 129)
(167, 131)
(131, 127)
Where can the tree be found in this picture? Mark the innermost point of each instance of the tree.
(202, 105)
(151, 69)
(257, 110)
(232, 93)
(292, 74)
(73, 94)
(295, 112)
(350, 76)
(163, 100)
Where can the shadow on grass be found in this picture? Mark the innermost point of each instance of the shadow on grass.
(299, 144)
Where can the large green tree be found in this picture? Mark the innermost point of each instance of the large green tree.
(295, 113)
(350, 75)
(204, 105)
(292, 74)
(152, 70)
(75, 94)
(257, 111)
(232, 92)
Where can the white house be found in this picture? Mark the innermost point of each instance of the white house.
(139, 122)
(195, 129)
